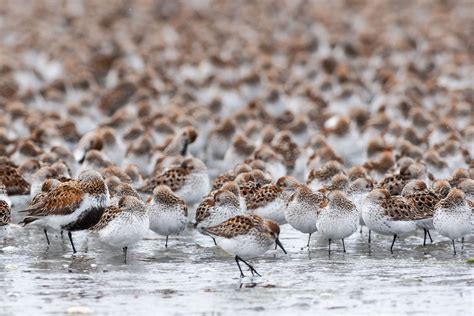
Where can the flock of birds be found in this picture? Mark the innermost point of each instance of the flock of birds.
(237, 146)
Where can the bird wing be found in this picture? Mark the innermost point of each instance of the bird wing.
(398, 209)
(63, 200)
(109, 214)
(173, 178)
(423, 204)
(202, 212)
(264, 195)
(235, 226)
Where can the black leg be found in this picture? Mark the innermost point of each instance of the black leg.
(360, 229)
(125, 254)
(429, 235)
(46, 234)
(62, 234)
(393, 242)
(370, 232)
(343, 246)
(240, 268)
(69, 234)
(252, 269)
(462, 244)
(308, 240)
(166, 243)
(329, 246)
(454, 248)
(424, 238)
(213, 239)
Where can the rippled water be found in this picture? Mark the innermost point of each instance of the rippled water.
(193, 277)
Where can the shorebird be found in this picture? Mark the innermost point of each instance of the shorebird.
(388, 215)
(124, 224)
(246, 236)
(452, 216)
(72, 205)
(168, 213)
(302, 210)
(338, 218)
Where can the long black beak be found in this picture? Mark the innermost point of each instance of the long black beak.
(82, 159)
(277, 241)
(185, 148)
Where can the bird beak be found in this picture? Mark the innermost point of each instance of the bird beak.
(277, 241)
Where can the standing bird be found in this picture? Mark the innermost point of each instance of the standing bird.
(423, 202)
(246, 236)
(302, 210)
(168, 213)
(388, 215)
(124, 224)
(338, 220)
(452, 216)
(72, 205)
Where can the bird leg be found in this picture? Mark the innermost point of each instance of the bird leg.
(329, 246)
(166, 243)
(69, 234)
(125, 254)
(343, 246)
(454, 247)
(46, 234)
(309, 240)
(424, 238)
(240, 268)
(252, 269)
(429, 235)
(393, 242)
(369, 235)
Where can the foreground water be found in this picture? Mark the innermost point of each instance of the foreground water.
(193, 277)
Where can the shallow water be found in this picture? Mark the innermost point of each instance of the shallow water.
(193, 277)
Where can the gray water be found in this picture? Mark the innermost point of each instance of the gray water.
(193, 277)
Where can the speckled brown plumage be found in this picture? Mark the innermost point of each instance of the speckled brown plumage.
(394, 183)
(109, 214)
(13, 181)
(174, 178)
(202, 212)
(262, 196)
(5, 213)
(222, 179)
(398, 209)
(62, 201)
(238, 225)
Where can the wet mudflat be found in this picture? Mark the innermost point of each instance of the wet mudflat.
(193, 277)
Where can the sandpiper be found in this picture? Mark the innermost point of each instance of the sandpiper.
(246, 236)
(168, 213)
(124, 224)
(302, 210)
(452, 216)
(338, 219)
(72, 205)
(388, 215)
